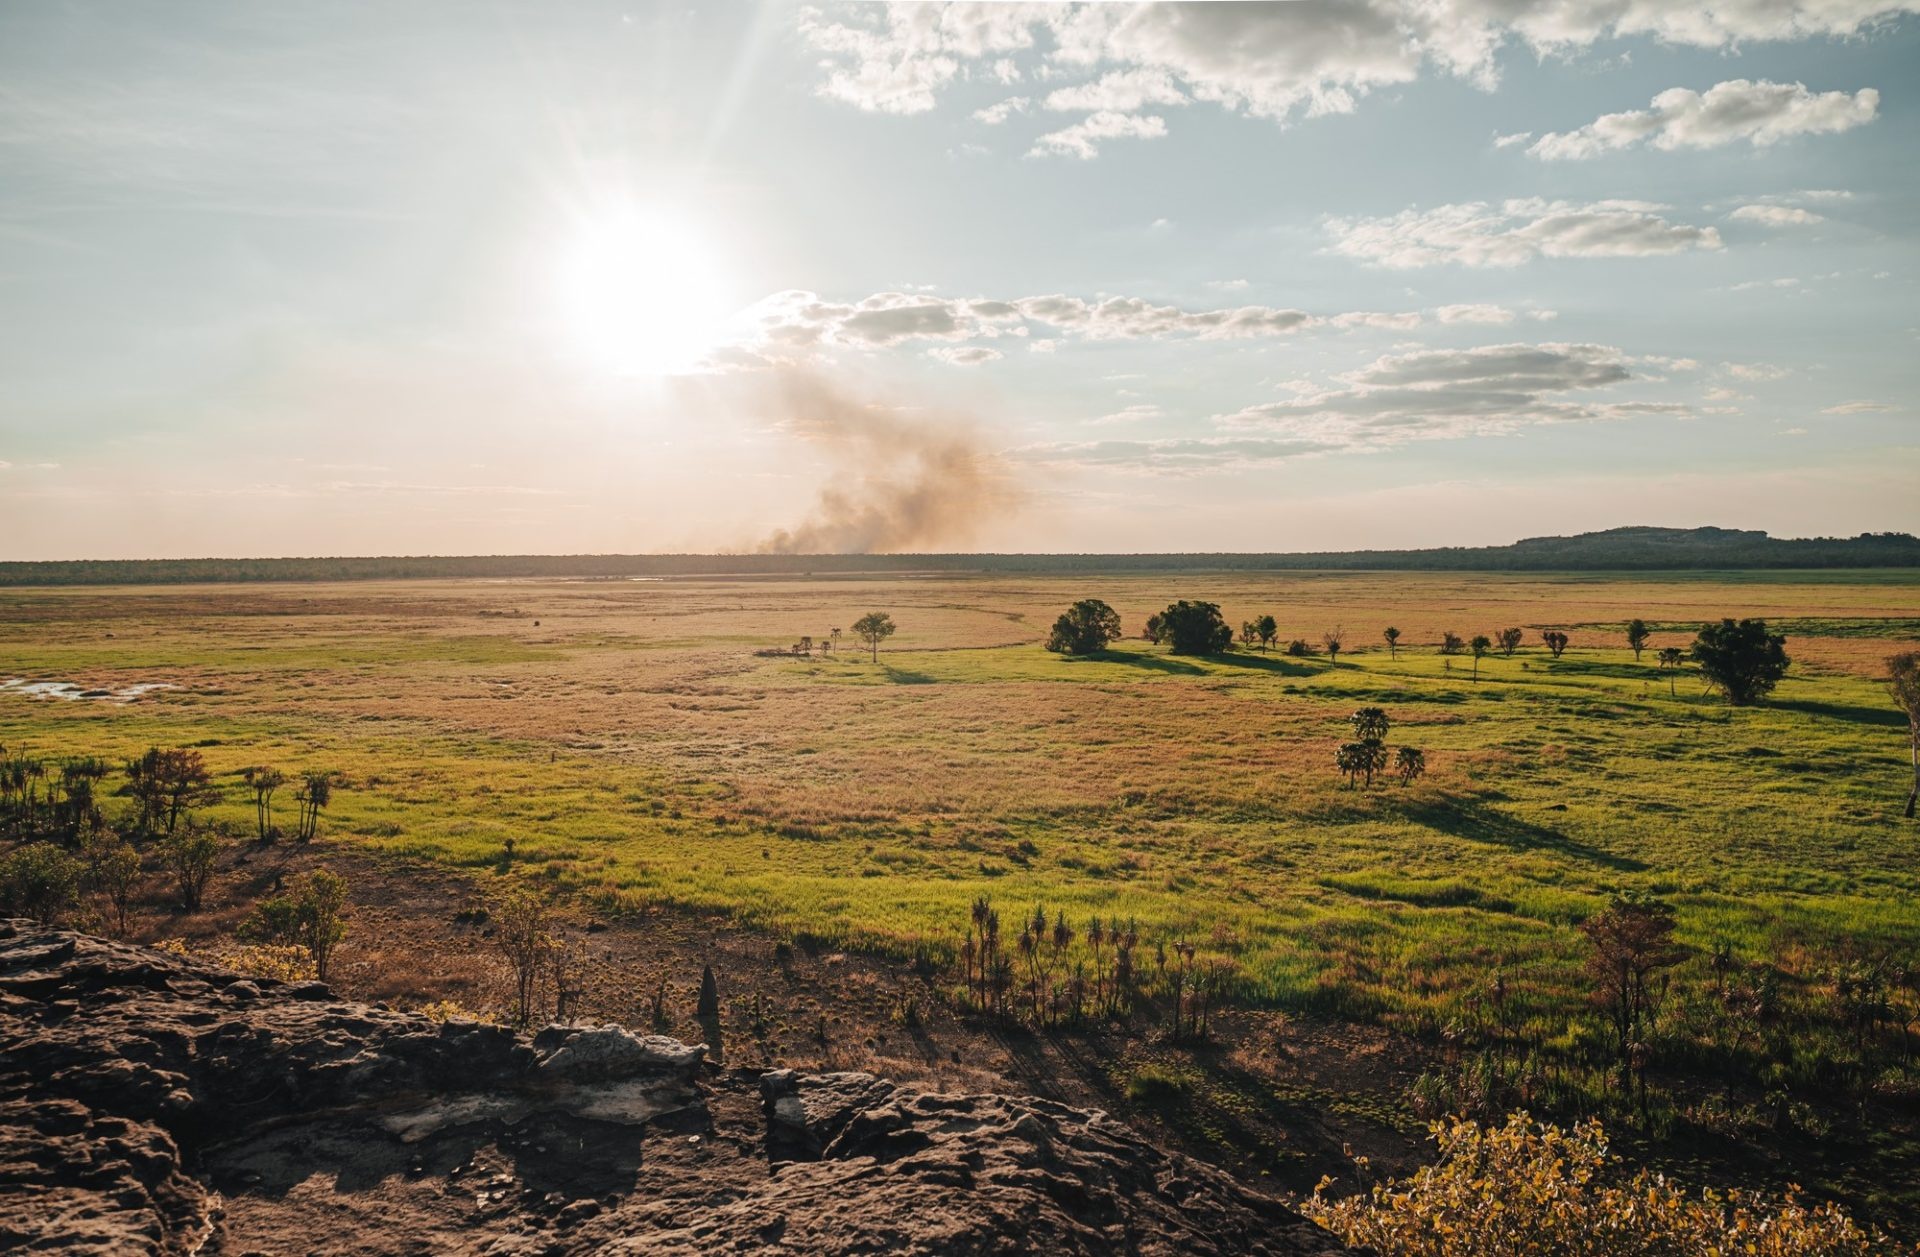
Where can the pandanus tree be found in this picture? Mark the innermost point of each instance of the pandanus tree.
(1510, 639)
(263, 781)
(1638, 634)
(1411, 764)
(316, 792)
(1556, 642)
(1393, 642)
(1333, 639)
(1672, 662)
(1267, 629)
(1480, 645)
(873, 628)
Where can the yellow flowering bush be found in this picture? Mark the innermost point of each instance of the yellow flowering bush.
(1522, 1189)
(283, 962)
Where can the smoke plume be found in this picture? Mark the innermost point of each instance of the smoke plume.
(900, 482)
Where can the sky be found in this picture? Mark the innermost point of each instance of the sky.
(477, 278)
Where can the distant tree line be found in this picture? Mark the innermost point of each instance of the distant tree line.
(1619, 549)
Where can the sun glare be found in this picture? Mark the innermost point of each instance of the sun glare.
(642, 293)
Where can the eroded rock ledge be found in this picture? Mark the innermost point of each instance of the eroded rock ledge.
(150, 1103)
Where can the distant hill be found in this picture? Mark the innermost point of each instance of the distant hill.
(1616, 549)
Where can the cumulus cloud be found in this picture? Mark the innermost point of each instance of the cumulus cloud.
(1174, 454)
(1755, 372)
(995, 114)
(1775, 215)
(796, 322)
(1123, 91)
(1473, 314)
(1514, 232)
(965, 355)
(1443, 393)
(1083, 138)
(1277, 61)
(1761, 113)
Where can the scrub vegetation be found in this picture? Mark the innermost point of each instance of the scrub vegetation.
(1365, 826)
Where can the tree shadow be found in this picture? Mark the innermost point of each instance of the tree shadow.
(1149, 662)
(1483, 824)
(902, 676)
(1843, 711)
(1277, 664)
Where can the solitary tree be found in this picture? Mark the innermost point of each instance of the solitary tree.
(40, 881)
(1450, 643)
(1556, 641)
(1480, 645)
(1155, 629)
(180, 782)
(263, 781)
(1332, 640)
(1631, 940)
(115, 876)
(1267, 629)
(521, 929)
(1411, 763)
(190, 855)
(873, 628)
(1903, 682)
(1195, 628)
(1741, 659)
(321, 928)
(1637, 636)
(1085, 628)
(1510, 639)
(316, 791)
(1248, 634)
(1672, 662)
(1393, 642)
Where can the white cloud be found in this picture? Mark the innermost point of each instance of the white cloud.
(965, 355)
(1508, 141)
(1857, 408)
(1755, 372)
(1083, 139)
(1228, 285)
(1174, 455)
(1775, 215)
(1517, 231)
(1122, 91)
(1130, 414)
(1473, 314)
(797, 322)
(1432, 394)
(1275, 61)
(1761, 113)
(995, 114)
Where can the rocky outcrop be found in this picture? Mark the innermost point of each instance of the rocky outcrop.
(151, 1103)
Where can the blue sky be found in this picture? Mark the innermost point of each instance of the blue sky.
(463, 278)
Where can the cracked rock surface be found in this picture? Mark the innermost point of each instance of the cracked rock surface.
(152, 1103)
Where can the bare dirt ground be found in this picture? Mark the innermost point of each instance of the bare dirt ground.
(1280, 1101)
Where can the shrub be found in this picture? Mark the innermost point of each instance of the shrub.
(40, 881)
(1521, 1188)
(190, 855)
(281, 962)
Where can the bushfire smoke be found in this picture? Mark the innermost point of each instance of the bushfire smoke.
(901, 482)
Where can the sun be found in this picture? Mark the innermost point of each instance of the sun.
(641, 291)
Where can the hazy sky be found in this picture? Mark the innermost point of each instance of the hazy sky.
(482, 278)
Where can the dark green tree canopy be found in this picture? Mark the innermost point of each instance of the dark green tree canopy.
(1195, 628)
(1085, 628)
(1741, 659)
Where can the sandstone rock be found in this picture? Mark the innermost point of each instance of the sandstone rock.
(151, 1103)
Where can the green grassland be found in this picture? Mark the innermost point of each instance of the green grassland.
(636, 750)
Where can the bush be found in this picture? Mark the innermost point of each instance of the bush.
(40, 881)
(280, 962)
(190, 855)
(1522, 1188)
(1742, 660)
